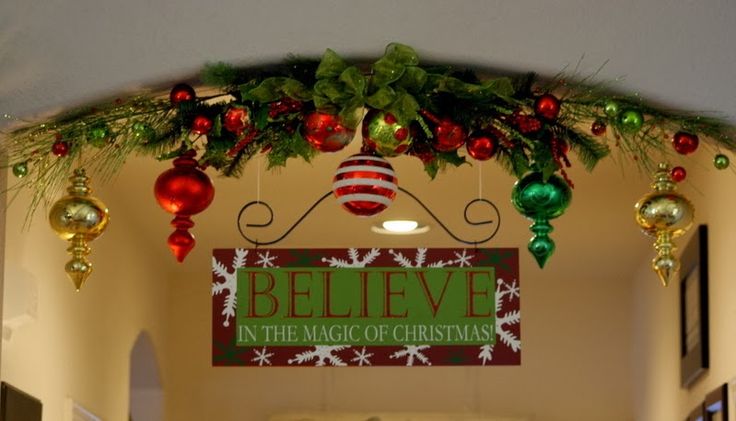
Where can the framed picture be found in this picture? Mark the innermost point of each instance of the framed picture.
(16, 405)
(716, 404)
(694, 308)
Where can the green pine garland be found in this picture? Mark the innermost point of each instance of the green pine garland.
(101, 137)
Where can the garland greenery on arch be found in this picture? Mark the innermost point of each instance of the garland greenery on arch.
(531, 125)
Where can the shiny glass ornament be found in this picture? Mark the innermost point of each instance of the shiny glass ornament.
(547, 106)
(181, 93)
(665, 215)
(325, 132)
(365, 184)
(721, 161)
(611, 108)
(541, 201)
(236, 119)
(685, 143)
(60, 148)
(201, 125)
(482, 146)
(384, 134)
(184, 191)
(79, 218)
(20, 169)
(631, 120)
(97, 135)
(598, 128)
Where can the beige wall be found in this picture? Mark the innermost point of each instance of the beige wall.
(656, 370)
(79, 345)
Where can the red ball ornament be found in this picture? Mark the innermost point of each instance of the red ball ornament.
(547, 107)
(181, 93)
(365, 184)
(326, 133)
(449, 136)
(235, 120)
(685, 143)
(482, 147)
(201, 125)
(184, 191)
(60, 148)
(598, 128)
(678, 174)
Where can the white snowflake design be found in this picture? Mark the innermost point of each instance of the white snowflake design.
(463, 259)
(355, 260)
(229, 283)
(410, 352)
(265, 260)
(362, 357)
(504, 320)
(262, 356)
(230, 279)
(322, 354)
(419, 260)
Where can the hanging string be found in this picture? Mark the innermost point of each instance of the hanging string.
(480, 182)
(258, 179)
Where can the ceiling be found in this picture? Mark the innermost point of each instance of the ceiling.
(57, 53)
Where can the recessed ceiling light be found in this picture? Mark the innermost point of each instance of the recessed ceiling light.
(400, 227)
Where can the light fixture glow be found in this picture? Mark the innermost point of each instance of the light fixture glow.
(400, 225)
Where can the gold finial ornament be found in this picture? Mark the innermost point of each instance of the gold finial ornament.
(79, 218)
(665, 215)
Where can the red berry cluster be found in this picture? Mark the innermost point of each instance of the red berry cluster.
(526, 124)
(284, 106)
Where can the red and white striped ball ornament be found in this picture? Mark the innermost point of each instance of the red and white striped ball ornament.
(365, 184)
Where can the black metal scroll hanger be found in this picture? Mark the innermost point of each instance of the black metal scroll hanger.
(493, 223)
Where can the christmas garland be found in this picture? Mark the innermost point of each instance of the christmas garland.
(303, 107)
(439, 114)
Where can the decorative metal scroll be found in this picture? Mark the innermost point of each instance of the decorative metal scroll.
(493, 222)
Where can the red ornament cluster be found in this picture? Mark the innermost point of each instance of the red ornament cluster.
(526, 124)
(184, 191)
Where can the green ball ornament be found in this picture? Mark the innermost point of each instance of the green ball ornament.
(541, 201)
(631, 120)
(97, 135)
(20, 169)
(721, 161)
(383, 133)
(536, 199)
(611, 108)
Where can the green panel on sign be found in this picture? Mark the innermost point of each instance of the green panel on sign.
(365, 306)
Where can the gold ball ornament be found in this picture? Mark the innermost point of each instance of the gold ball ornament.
(665, 215)
(79, 218)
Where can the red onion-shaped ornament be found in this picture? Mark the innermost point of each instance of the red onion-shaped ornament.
(326, 132)
(365, 184)
(184, 191)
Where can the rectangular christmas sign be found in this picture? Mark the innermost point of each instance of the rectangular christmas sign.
(365, 307)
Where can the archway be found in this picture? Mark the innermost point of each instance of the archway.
(146, 392)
